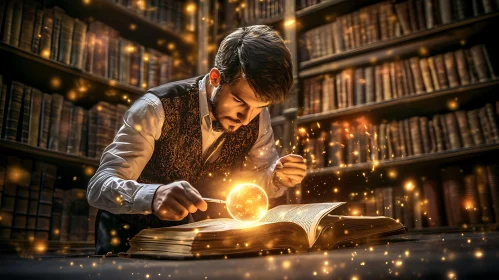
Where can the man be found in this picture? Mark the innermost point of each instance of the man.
(196, 138)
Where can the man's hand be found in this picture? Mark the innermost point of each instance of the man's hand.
(174, 201)
(290, 170)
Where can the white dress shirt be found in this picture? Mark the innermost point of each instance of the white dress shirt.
(114, 185)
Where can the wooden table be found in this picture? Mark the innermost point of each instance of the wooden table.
(468, 255)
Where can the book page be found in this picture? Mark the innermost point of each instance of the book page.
(306, 216)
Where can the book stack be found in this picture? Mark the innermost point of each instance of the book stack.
(167, 13)
(347, 143)
(233, 13)
(396, 79)
(458, 195)
(92, 47)
(32, 205)
(49, 121)
(384, 21)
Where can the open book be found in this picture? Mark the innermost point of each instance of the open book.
(298, 227)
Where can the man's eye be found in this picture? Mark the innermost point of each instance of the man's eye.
(237, 100)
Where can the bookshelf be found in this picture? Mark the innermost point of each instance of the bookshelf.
(74, 67)
(410, 161)
(63, 78)
(397, 107)
(47, 155)
(296, 128)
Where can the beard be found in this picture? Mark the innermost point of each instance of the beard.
(214, 102)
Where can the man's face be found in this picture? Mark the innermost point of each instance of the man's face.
(235, 105)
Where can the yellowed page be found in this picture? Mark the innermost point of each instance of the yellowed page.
(306, 216)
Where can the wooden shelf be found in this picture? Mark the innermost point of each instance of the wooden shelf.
(15, 62)
(17, 246)
(267, 21)
(46, 155)
(121, 18)
(449, 229)
(398, 107)
(327, 10)
(411, 160)
(278, 120)
(438, 37)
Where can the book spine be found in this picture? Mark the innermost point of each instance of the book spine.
(26, 109)
(27, 25)
(462, 68)
(474, 123)
(58, 15)
(17, 15)
(55, 121)
(37, 31)
(34, 117)
(66, 39)
(463, 128)
(64, 128)
(78, 43)
(47, 30)
(7, 26)
(425, 72)
(450, 69)
(14, 110)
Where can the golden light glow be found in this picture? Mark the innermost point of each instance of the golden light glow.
(392, 174)
(55, 82)
(46, 54)
(133, 26)
(289, 22)
(247, 203)
(191, 8)
(478, 254)
(87, 2)
(409, 186)
(452, 105)
(40, 247)
(423, 51)
(89, 170)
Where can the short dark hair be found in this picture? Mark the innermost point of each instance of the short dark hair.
(259, 54)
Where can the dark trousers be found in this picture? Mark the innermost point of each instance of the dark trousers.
(112, 231)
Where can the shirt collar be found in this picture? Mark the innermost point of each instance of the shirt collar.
(204, 111)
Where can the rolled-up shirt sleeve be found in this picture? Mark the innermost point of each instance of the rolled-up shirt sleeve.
(114, 185)
(261, 160)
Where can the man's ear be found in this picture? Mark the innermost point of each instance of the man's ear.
(215, 77)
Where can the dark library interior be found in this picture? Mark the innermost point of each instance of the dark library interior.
(392, 108)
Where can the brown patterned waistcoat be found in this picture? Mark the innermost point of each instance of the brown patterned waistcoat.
(178, 152)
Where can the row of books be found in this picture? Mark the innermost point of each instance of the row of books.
(395, 79)
(167, 13)
(49, 121)
(32, 205)
(250, 11)
(386, 20)
(452, 198)
(93, 47)
(350, 143)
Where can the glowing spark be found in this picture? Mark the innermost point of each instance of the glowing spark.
(286, 264)
(478, 254)
(289, 22)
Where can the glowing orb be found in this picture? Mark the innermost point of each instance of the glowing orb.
(247, 203)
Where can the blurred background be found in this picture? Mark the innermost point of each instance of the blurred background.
(393, 105)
